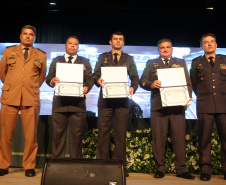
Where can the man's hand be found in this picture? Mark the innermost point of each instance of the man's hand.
(156, 84)
(187, 104)
(99, 81)
(85, 90)
(54, 81)
(131, 90)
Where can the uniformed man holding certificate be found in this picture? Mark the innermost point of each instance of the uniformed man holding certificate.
(162, 116)
(117, 108)
(69, 111)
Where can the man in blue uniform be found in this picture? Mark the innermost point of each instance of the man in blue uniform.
(208, 76)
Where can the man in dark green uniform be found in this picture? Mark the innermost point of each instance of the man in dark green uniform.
(117, 108)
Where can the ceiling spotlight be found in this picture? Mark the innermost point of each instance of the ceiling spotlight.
(52, 4)
(209, 8)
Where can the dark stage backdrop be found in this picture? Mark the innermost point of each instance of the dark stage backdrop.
(142, 23)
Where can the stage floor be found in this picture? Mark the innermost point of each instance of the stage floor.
(16, 176)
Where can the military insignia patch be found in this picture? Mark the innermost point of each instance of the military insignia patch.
(156, 65)
(38, 59)
(222, 66)
(176, 65)
(12, 57)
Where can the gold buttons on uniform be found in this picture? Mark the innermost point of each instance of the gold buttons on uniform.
(213, 86)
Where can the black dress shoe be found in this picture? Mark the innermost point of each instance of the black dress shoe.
(30, 173)
(186, 175)
(205, 177)
(3, 172)
(159, 174)
(126, 174)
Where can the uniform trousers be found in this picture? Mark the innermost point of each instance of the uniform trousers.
(160, 124)
(62, 121)
(120, 116)
(29, 117)
(206, 122)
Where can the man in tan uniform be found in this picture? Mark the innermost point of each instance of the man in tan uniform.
(22, 71)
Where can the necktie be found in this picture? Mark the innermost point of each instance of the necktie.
(70, 58)
(26, 53)
(211, 61)
(166, 62)
(116, 59)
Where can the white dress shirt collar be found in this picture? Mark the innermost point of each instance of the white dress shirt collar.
(72, 60)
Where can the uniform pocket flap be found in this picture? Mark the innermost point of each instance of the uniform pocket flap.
(11, 61)
(5, 87)
(38, 64)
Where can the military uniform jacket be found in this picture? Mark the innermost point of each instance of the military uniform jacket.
(70, 104)
(22, 78)
(106, 60)
(150, 75)
(209, 84)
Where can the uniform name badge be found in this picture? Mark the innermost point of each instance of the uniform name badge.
(115, 83)
(174, 90)
(71, 79)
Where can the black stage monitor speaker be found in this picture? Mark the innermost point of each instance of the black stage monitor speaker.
(83, 172)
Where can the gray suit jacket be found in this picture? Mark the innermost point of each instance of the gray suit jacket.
(149, 76)
(70, 104)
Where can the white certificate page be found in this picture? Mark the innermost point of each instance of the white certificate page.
(172, 77)
(114, 74)
(70, 72)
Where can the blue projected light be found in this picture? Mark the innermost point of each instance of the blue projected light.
(141, 55)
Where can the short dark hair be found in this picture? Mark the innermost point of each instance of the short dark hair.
(206, 35)
(72, 36)
(117, 33)
(164, 40)
(29, 27)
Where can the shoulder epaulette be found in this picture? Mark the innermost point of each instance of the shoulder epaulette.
(41, 50)
(221, 55)
(10, 46)
(197, 57)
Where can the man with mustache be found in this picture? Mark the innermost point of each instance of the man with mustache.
(162, 116)
(22, 71)
(67, 111)
(208, 77)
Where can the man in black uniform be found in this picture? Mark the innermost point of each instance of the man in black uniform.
(69, 111)
(161, 116)
(117, 108)
(208, 76)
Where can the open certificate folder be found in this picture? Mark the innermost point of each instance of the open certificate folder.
(115, 83)
(71, 79)
(174, 90)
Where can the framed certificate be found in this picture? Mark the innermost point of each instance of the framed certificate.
(174, 96)
(69, 89)
(71, 79)
(115, 90)
(174, 91)
(115, 83)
